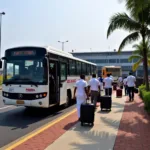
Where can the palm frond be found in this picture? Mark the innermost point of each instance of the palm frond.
(122, 20)
(134, 57)
(129, 39)
(136, 65)
(136, 7)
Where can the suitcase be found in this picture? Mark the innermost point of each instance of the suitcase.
(119, 93)
(114, 86)
(121, 87)
(87, 114)
(106, 102)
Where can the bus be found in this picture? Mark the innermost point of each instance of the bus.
(115, 70)
(41, 76)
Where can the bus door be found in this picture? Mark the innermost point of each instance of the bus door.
(63, 82)
(53, 82)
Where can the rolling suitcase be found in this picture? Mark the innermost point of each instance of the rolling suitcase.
(106, 102)
(87, 113)
(119, 93)
(114, 87)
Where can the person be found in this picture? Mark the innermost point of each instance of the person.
(101, 82)
(94, 86)
(125, 85)
(81, 93)
(108, 85)
(120, 81)
(131, 83)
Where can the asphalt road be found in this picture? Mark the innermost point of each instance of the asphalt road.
(16, 122)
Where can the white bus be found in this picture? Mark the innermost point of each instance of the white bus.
(41, 76)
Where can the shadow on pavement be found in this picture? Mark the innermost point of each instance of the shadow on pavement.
(97, 140)
(23, 117)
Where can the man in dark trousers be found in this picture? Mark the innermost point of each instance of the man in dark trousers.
(131, 84)
(108, 85)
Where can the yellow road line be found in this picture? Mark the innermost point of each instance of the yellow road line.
(40, 130)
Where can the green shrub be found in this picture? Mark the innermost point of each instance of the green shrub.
(145, 95)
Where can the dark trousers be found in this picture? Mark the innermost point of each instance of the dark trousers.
(108, 91)
(131, 92)
(126, 89)
(94, 96)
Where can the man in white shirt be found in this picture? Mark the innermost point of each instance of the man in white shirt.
(131, 83)
(81, 93)
(125, 85)
(108, 85)
(94, 86)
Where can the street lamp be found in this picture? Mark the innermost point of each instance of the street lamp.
(1, 14)
(63, 44)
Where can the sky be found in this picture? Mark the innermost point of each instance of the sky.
(83, 23)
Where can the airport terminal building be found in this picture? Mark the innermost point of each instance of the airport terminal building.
(110, 59)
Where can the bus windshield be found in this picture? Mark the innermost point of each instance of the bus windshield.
(25, 71)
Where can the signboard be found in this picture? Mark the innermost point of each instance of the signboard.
(23, 53)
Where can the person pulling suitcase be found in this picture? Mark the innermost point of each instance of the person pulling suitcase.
(81, 93)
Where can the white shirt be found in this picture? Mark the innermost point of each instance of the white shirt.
(131, 81)
(80, 85)
(94, 84)
(108, 82)
(125, 81)
(120, 79)
(112, 77)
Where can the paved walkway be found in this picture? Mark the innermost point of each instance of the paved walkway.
(134, 130)
(101, 137)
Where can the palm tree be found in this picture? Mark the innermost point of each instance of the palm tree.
(139, 56)
(137, 24)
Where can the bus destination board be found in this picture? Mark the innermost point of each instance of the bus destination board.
(23, 53)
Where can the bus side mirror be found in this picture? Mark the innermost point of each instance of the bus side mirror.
(1, 64)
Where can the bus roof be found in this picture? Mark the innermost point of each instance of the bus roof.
(55, 51)
(65, 54)
(112, 66)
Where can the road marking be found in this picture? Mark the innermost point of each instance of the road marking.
(37, 131)
(5, 107)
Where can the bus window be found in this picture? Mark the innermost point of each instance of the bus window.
(72, 67)
(78, 67)
(63, 71)
(83, 68)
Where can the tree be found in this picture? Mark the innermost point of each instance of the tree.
(139, 56)
(137, 24)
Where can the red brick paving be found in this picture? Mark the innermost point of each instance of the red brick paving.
(47, 137)
(134, 130)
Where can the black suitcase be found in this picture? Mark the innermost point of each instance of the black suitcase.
(106, 102)
(87, 113)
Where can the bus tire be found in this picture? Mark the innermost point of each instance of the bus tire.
(68, 100)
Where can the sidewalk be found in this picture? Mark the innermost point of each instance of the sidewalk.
(101, 137)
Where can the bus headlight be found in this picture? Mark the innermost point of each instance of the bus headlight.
(41, 95)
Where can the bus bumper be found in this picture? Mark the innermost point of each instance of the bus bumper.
(29, 103)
